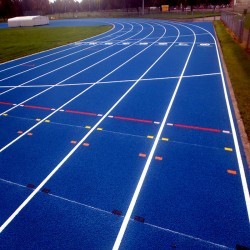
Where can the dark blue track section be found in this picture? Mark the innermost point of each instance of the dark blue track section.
(78, 127)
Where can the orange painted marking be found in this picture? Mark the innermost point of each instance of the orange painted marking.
(20, 132)
(142, 155)
(158, 158)
(30, 134)
(73, 142)
(85, 144)
(229, 171)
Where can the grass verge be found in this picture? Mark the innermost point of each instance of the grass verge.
(18, 42)
(238, 65)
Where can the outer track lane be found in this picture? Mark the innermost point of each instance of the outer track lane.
(204, 204)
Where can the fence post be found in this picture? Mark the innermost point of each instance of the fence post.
(248, 40)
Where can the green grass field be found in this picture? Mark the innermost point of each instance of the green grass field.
(17, 42)
(238, 65)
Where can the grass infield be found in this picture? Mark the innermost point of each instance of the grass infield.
(238, 65)
(18, 42)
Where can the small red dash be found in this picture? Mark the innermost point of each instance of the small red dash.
(229, 171)
(117, 212)
(139, 218)
(80, 112)
(73, 142)
(85, 144)
(29, 134)
(142, 155)
(198, 128)
(20, 132)
(158, 158)
(30, 185)
(132, 119)
(6, 103)
(36, 107)
(46, 190)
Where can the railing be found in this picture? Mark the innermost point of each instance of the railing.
(235, 22)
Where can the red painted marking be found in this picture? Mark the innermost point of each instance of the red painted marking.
(233, 172)
(142, 155)
(36, 107)
(6, 103)
(198, 128)
(132, 119)
(80, 112)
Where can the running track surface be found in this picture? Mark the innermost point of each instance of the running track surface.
(125, 140)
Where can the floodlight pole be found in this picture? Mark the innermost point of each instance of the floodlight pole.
(142, 7)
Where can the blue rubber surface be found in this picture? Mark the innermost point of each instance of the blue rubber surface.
(131, 129)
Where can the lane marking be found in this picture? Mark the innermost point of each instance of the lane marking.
(30, 197)
(228, 149)
(235, 138)
(62, 57)
(146, 167)
(80, 112)
(110, 213)
(158, 158)
(142, 155)
(79, 72)
(65, 65)
(106, 82)
(132, 119)
(230, 171)
(197, 128)
(60, 51)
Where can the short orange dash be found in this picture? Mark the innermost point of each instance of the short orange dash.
(85, 144)
(158, 158)
(20, 132)
(229, 171)
(30, 134)
(73, 142)
(142, 155)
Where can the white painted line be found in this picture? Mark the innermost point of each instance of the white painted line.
(170, 124)
(150, 157)
(235, 138)
(110, 116)
(143, 43)
(99, 115)
(107, 82)
(187, 236)
(225, 131)
(51, 54)
(63, 66)
(79, 72)
(36, 190)
(156, 122)
(162, 44)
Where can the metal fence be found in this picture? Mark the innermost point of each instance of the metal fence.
(235, 22)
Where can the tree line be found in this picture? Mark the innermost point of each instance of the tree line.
(11, 8)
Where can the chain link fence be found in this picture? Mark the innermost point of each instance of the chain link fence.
(235, 22)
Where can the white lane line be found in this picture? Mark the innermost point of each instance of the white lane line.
(150, 157)
(62, 57)
(58, 68)
(29, 198)
(187, 236)
(79, 72)
(107, 82)
(107, 212)
(235, 138)
(72, 99)
(60, 51)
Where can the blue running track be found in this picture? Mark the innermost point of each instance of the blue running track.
(126, 140)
